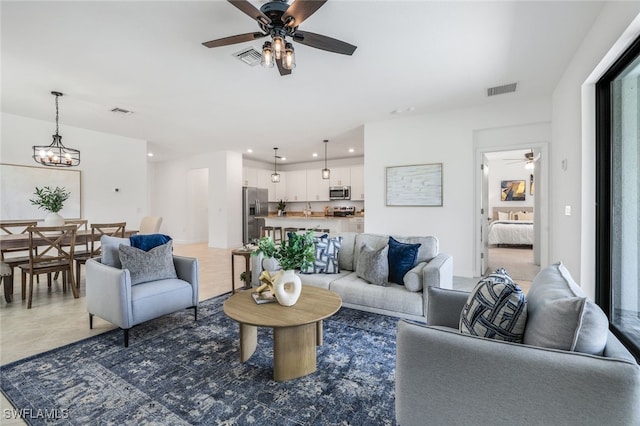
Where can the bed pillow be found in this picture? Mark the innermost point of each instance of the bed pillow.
(109, 250)
(144, 266)
(496, 308)
(503, 216)
(402, 257)
(373, 265)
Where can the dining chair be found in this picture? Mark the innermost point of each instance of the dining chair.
(55, 254)
(115, 229)
(150, 225)
(14, 228)
(81, 225)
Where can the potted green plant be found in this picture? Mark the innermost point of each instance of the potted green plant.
(51, 200)
(297, 252)
(282, 204)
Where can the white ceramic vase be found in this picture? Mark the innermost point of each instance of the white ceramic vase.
(53, 219)
(287, 287)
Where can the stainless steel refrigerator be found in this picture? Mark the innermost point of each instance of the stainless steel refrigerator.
(255, 204)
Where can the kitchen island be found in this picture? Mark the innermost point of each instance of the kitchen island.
(335, 224)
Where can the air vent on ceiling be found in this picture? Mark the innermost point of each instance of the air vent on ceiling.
(501, 90)
(122, 111)
(249, 56)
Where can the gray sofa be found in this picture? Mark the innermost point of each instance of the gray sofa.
(432, 269)
(445, 377)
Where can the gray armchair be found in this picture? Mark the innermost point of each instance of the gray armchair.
(444, 377)
(111, 296)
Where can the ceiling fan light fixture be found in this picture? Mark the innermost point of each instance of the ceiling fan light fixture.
(267, 55)
(278, 45)
(289, 60)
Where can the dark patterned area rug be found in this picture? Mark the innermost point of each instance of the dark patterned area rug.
(177, 371)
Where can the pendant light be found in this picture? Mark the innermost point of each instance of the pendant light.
(56, 154)
(275, 176)
(326, 173)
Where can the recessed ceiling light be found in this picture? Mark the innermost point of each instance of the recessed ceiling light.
(283, 158)
(352, 150)
(402, 111)
(249, 150)
(315, 154)
(149, 154)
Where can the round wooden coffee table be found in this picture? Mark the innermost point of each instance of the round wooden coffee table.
(297, 329)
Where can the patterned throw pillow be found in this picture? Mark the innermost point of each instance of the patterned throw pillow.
(402, 257)
(373, 265)
(496, 308)
(326, 256)
(144, 266)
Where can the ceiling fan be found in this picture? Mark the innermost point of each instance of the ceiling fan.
(280, 20)
(529, 159)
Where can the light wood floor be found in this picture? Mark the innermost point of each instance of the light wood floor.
(57, 319)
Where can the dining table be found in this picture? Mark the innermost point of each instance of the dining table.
(16, 241)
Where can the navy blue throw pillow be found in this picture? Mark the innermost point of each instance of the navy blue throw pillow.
(148, 241)
(402, 257)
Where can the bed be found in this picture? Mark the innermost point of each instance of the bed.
(516, 228)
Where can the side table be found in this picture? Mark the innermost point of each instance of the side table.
(246, 253)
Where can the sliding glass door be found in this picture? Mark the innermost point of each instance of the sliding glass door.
(618, 196)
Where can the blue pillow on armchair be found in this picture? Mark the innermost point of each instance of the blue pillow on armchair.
(402, 257)
(148, 241)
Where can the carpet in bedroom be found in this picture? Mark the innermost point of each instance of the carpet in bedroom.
(177, 371)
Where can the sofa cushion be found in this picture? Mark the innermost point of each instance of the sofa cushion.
(561, 316)
(496, 308)
(109, 250)
(413, 279)
(144, 266)
(373, 265)
(429, 246)
(402, 257)
(347, 249)
(148, 241)
(326, 256)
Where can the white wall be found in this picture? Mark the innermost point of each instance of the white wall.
(572, 238)
(107, 162)
(448, 138)
(171, 198)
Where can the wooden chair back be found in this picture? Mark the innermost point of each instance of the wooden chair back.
(81, 225)
(11, 228)
(51, 244)
(115, 229)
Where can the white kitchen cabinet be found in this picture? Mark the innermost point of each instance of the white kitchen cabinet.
(277, 191)
(356, 224)
(249, 176)
(340, 176)
(296, 185)
(317, 188)
(357, 182)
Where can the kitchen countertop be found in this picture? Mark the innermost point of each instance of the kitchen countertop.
(295, 217)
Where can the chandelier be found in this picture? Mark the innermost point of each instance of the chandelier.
(56, 154)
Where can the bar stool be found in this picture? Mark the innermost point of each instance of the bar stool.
(292, 229)
(267, 230)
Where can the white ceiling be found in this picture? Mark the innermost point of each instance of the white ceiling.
(146, 56)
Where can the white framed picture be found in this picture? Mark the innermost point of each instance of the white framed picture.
(414, 185)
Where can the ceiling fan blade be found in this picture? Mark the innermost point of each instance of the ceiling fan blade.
(301, 10)
(251, 11)
(281, 68)
(226, 41)
(320, 41)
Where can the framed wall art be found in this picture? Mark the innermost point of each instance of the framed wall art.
(416, 185)
(513, 190)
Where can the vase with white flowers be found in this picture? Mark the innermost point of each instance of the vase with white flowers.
(51, 200)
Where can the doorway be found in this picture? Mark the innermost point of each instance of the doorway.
(512, 205)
